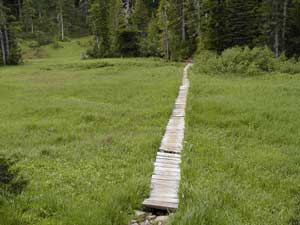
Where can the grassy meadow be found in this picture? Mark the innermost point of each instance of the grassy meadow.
(84, 132)
(241, 162)
(84, 135)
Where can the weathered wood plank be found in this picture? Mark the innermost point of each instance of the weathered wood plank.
(168, 165)
(164, 199)
(168, 154)
(162, 177)
(160, 205)
(170, 150)
(167, 162)
(169, 158)
(167, 169)
(166, 173)
(163, 195)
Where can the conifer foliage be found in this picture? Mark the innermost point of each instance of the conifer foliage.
(172, 29)
(10, 52)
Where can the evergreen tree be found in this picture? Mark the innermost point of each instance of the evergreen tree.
(163, 15)
(140, 16)
(214, 26)
(242, 23)
(28, 13)
(292, 35)
(151, 46)
(99, 26)
(10, 52)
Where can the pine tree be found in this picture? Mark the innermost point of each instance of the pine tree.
(292, 35)
(140, 17)
(28, 13)
(116, 23)
(242, 22)
(10, 52)
(163, 15)
(99, 26)
(151, 46)
(213, 25)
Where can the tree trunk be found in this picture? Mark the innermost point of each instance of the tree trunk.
(62, 25)
(284, 24)
(20, 9)
(127, 12)
(276, 42)
(183, 34)
(98, 41)
(166, 35)
(198, 17)
(2, 47)
(7, 43)
(32, 26)
(276, 31)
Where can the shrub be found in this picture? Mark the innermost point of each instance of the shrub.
(33, 44)
(10, 180)
(128, 43)
(43, 38)
(290, 66)
(245, 61)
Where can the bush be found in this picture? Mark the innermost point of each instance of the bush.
(290, 66)
(43, 38)
(10, 180)
(33, 44)
(245, 61)
(128, 43)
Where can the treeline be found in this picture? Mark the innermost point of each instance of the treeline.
(173, 29)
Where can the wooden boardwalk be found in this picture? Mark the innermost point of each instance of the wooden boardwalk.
(166, 176)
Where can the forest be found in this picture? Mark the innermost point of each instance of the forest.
(173, 29)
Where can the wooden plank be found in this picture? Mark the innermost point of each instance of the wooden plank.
(166, 173)
(164, 199)
(160, 205)
(157, 186)
(168, 158)
(168, 165)
(168, 162)
(168, 154)
(163, 189)
(167, 169)
(161, 177)
(170, 150)
(171, 146)
(163, 195)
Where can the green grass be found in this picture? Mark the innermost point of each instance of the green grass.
(86, 134)
(241, 162)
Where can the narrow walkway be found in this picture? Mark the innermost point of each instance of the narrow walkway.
(166, 176)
